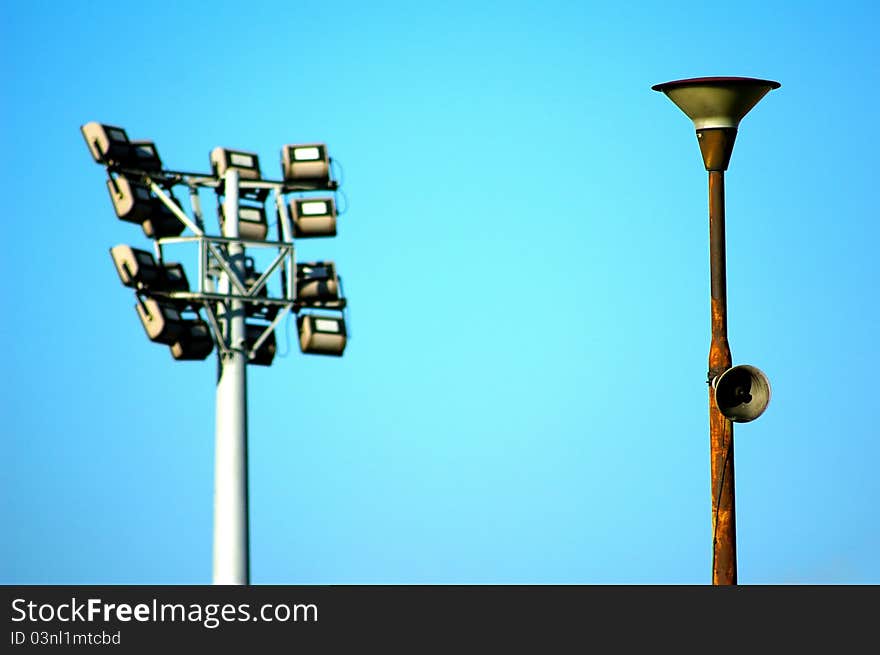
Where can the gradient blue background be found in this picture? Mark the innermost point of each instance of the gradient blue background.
(523, 398)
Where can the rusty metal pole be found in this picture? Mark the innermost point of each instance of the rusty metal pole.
(716, 146)
(720, 428)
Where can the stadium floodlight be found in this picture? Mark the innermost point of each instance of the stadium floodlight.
(306, 164)
(321, 335)
(144, 156)
(162, 223)
(266, 352)
(111, 146)
(136, 268)
(161, 320)
(134, 203)
(108, 144)
(174, 277)
(313, 217)
(246, 163)
(241, 309)
(316, 282)
(196, 342)
(252, 223)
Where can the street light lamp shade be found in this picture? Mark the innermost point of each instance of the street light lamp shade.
(716, 102)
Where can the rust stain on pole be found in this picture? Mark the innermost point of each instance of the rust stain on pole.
(720, 428)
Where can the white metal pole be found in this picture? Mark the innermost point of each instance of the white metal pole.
(230, 450)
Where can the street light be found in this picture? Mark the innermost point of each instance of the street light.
(716, 105)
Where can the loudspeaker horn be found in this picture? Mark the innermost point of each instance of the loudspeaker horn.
(742, 393)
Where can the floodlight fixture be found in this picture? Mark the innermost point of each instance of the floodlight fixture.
(252, 224)
(111, 146)
(108, 144)
(133, 202)
(161, 320)
(313, 217)
(162, 222)
(321, 335)
(144, 156)
(195, 344)
(266, 352)
(136, 268)
(317, 282)
(306, 164)
(246, 163)
(174, 277)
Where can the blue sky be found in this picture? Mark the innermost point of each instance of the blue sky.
(525, 254)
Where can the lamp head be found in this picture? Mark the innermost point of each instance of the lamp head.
(716, 105)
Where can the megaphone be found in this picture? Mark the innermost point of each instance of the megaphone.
(742, 393)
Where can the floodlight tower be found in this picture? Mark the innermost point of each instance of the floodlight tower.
(241, 313)
(716, 105)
